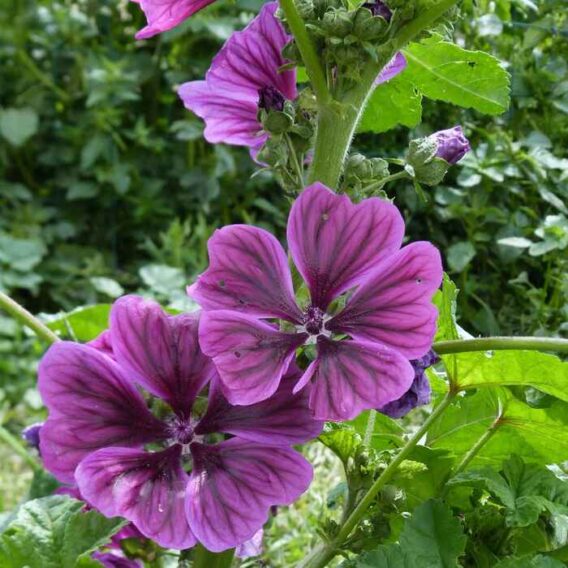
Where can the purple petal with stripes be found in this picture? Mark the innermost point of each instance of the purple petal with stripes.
(394, 304)
(352, 376)
(91, 405)
(234, 484)
(282, 419)
(335, 243)
(248, 271)
(251, 356)
(159, 351)
(145, 488)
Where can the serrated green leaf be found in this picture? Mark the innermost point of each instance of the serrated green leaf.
(446, 302)
(393, 103)
(54, 532)
(446, 72)
(544, 372)
(341, 439)
(539, 561)
(390, 556)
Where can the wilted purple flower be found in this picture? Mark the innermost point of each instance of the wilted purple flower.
(244, 76)
(31, 435)
(163, 15)
(452, 144)
(198, 486)
(362, 349)
(379, 8)
(419, 392)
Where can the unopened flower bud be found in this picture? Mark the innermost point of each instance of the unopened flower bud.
(379, 8)
(31, 435)
(270, 98)
(452, 144)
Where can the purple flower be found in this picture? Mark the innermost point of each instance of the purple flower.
(194, 485)
(163, 15)
(395, 66)
(419, 392)
(452, 144)
(31, 435)
(244, 76)
(363, 348)
(252, 547)
(379, 8)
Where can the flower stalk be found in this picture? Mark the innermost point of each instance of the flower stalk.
(501, 344)
(321, 555)
(19, 313)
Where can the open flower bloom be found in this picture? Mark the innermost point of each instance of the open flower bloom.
(363, 348)
(243, 77)
(168, 470)
(419, 392)
(163, 15)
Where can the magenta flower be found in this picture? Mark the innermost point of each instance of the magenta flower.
(243, 77)
(163, 15)
(395, 66)
(363, 348)
(192, 484)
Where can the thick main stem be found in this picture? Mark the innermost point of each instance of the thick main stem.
(500, 344)
(324, 553)
(19, 313)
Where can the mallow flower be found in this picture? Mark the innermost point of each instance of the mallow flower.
(369, 309)
(127, 425)
(419, 392)
(163, 15)
(452, 144)
(244, 77)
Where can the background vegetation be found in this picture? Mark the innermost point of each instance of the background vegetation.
(106, 184)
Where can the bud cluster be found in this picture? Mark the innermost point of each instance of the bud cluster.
(361, 172)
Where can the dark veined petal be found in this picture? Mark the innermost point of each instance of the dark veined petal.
(91, 405)
(251, 356)
(163, 15)
(282, 419)
(160, 352)
(234, 484)
(349, 377)
(146, 488)
(394, 304)
(248, 272)
(335, 243)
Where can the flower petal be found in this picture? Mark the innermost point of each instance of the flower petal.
(352, 376)
(251, 59)
(395, 66)
(335, 243)
(393, 305)
(163, 15)
(161, 352)
(248, 271)
(91, 405)
(234, 484)
(282, 419)
(251, 356)
(145, 488)
(228, 119)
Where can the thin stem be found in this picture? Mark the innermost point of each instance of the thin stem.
(370, 427)
(501, 344)
(307, 50)
(203, 558)
(295, 162)
(19, 448)
(19, 313)
(41, 76)
(379, 184)
(323, 554)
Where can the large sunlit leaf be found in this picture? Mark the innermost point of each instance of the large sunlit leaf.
(446, 72)
(82, 324)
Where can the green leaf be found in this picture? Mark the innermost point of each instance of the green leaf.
(54, 532)
(17, 125)
(390, 556)
(386, 434)
(82, 324)
(341, 439)
(446, 302)
(394, 102)
(459, 255)
(537, 435)
(446, 72)
(539, 561)
(544, 372)
(107, 286)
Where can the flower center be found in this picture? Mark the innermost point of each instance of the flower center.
(313, 320)
(181, 430)
(270, 98)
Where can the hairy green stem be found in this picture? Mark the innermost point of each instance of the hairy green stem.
(19, 313)
(321, 555)
(203, 558)
(370, 427)
(379, 184)
(338, 119)
(500, 344)
(307, 51)
(19, 448)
